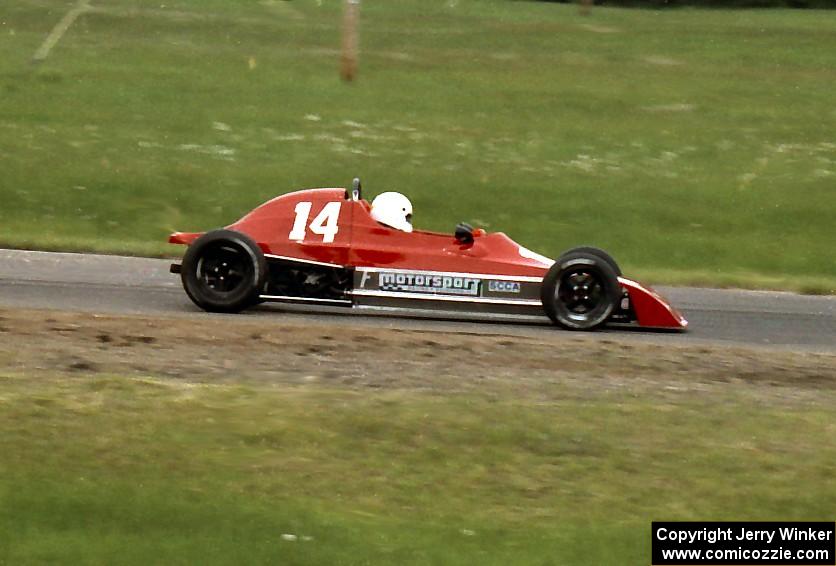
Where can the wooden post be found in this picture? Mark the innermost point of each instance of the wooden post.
(348, 57)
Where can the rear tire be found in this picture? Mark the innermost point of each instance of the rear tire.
(224, 271)
(580, 291)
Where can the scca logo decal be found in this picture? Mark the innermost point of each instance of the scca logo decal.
(504, 286)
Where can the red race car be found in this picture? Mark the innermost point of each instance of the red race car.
(331, 247)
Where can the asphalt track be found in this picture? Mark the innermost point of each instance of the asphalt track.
(128, 285)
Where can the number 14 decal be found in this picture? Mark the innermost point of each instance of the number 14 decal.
(325, 223)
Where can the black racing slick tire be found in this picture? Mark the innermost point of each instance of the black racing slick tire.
(598, 252)
(224, 271)
(580, 291)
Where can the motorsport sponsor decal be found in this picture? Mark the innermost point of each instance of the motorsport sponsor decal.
(429, 283)
(504, 286)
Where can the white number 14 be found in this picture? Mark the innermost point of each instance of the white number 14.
(325, 223)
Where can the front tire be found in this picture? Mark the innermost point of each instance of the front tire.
(224, 271)
(580, 291)
(598, 252)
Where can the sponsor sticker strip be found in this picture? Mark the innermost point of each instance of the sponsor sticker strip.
(435, 284)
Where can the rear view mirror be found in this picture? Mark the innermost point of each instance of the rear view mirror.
(355, 190)
(464, 233)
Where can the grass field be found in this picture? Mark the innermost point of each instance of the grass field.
(697, 146)
(137, 440)
(113, 470)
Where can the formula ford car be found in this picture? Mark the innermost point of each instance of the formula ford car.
(330, 247)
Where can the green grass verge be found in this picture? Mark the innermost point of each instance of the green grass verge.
(696, 145)
(107, 469)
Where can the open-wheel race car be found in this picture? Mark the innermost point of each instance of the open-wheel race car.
(331, 247)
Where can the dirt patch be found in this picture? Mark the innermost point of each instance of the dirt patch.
(559, 363)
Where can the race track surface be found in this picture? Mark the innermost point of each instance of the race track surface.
(127, 285)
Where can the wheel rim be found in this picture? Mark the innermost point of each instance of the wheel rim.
(223, 269)
(581, 292)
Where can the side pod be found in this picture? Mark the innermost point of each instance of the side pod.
(651, 309)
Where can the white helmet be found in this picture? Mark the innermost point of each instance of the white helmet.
(393, 209)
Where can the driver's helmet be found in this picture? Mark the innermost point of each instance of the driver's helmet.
(393, 209)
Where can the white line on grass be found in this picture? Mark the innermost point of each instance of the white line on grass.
(60, 29)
